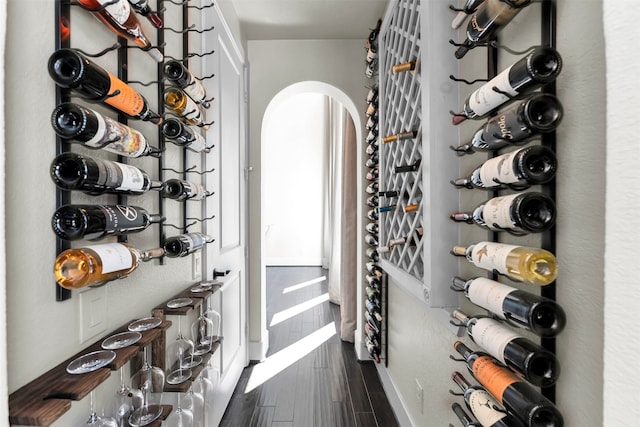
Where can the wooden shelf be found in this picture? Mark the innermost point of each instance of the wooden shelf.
(195, 371)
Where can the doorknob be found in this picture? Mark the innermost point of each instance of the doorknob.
(217, 273)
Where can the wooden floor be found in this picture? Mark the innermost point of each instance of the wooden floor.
(323, 385)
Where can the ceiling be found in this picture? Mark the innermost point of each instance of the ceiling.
(308, 19)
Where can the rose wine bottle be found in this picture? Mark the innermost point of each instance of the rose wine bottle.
(522, 213)
(539, 67)
(178, 189)
(185, 107)
(72, 171)
(489, 18)
(372, 174)
(95, 222)
(185, 244)
(93, 130)
(519, 398)
(519, 263)
(537, 113)
(98, 264)
(543, 316)
(526, 166)
(121, 20)
(180, 76)
(402, 136)
(535, 364)
(483, 406)
(464, 418)
(72, 70)
(182, 135)
(142, 7)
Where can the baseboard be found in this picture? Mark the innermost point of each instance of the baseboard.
(258, 349)
(390, 389)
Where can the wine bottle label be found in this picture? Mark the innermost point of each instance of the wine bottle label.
(492, 377)
(114, 256)
(493, 337)
(120, 176)
(191, 111)
(195, 191)
(198, 144)
(122, 217)
(120, 11)
(125, 140)
(481, 404)
(490, 256)
(499, 168)
(497, 212)
(486, 99)
(489, 294)
(128, 100)
(195, 90)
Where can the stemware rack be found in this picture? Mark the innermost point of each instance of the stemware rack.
(45, 399)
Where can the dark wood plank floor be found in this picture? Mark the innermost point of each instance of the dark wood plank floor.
(327, 387)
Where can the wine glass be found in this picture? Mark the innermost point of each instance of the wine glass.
(194, 402)
(202, 332)
(126, 400)
(98, 421)
(182, 350)
(181, 417)
(149, 379)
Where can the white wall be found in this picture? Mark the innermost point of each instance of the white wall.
(294, 180)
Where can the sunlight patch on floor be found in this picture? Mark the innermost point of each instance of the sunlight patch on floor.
(283, 315)
(303, 284)
(286, 357)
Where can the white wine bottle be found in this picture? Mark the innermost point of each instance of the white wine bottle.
(185, 107)
(519, 263)
(521, 213)
(178, 189)
(535, 364)
(98, 264)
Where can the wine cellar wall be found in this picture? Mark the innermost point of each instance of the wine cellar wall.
(433, 203)
(153, 149)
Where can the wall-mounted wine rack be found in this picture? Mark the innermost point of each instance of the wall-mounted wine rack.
(418, 38)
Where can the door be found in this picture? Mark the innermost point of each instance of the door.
(228, 181)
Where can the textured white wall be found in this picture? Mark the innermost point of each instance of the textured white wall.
(622, 290)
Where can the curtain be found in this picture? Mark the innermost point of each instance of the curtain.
(340, 215)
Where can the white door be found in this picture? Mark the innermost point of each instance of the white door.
(228, 204)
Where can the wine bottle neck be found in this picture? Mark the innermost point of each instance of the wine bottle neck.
(459, 251)
(151, 254)
(460, 381)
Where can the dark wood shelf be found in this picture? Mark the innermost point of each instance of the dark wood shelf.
(195, 371)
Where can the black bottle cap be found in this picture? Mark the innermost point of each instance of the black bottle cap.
(72, 121)
(537, 163)
(536, 212)
(66, 67)
(542, 112)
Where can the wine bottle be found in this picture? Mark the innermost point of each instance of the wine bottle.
(483, 406)
(488, 20)
(389, 208)
(142, 7)
(180, 103)
(372, 52)
(372, 323)
(373, 294)
(469, 8)
(370, 240)
(526, 166)
(519, 263)
(372, 108)
(542, 316)
(185, 244)
(98, 264)
(535, 364)
(537, 68)
(374, 269)
(537, 113)
(372, 174)
(373, 280)
(372, 148)
(519, 398)
(372, 137)
(372, 254)
(402, 136)
(373, 349)
(372, 95)
(522, 213)
(371, 68)
(93, 130)
(180, 76)
(408, 168)
(372, 123)
(95, 222)
(464, 418)
(372, 188)
(121, 20)
(178, 189)
(372, 161)
(72, 70)
(388, 193)
(372, 201)
(372, 214)
(372, 228)
(182, 135)
(374, 310)
(411, 207)
(410, 66)
(72, 171)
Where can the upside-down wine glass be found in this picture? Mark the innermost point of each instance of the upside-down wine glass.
(182, 350)
(95, 420)
(181, 417)
(149, 379)
(126, 400)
